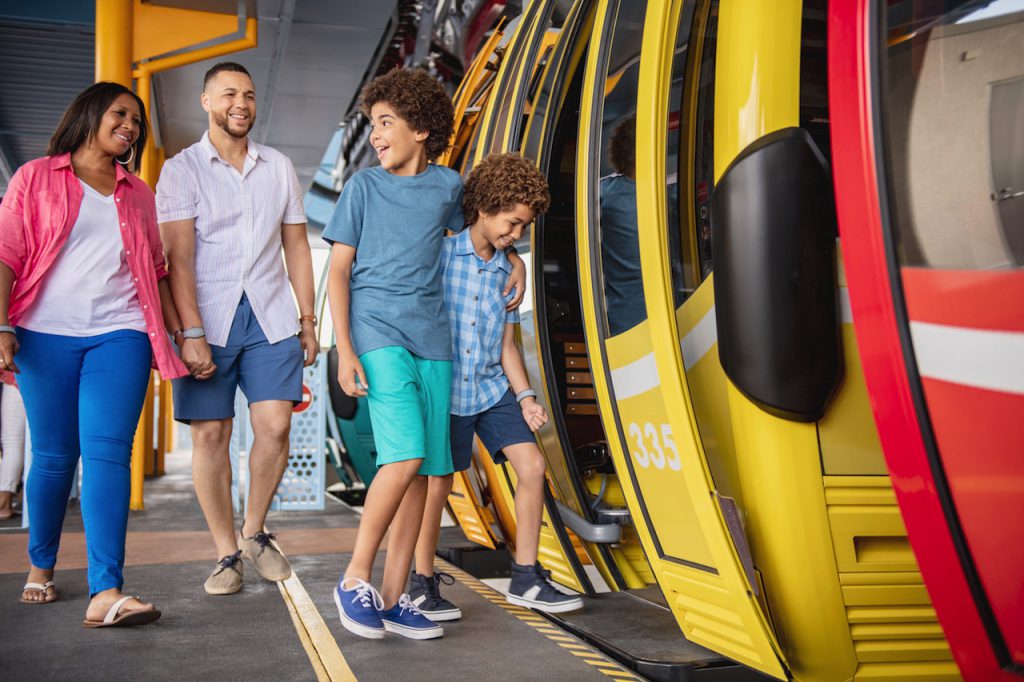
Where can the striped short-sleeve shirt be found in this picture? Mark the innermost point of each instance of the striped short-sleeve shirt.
(476, 309)
(238, 218)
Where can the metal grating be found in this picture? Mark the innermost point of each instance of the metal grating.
(302, 486)
(42, 68)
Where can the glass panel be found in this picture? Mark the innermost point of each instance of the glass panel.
(513, 102)
(698, 256)
(623, 298)
(952, 81)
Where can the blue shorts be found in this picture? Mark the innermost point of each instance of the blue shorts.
(499, 426)
(409, 398)
(263, 370)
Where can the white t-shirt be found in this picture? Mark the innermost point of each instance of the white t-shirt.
(89, 289)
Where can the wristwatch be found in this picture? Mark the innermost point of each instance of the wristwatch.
(194, 333)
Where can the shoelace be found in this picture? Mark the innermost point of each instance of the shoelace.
(263, 540)
(406, 605)
(433, 584)
(366, 595)
(544, 575)
(230, 561)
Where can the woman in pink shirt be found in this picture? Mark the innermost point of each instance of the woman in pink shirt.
(84, 305)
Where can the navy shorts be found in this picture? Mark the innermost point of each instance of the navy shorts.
(498, 426)
(263, 370)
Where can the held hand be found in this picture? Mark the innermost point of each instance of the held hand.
(517, 281)
(533, 413)
(351, 375)
(310, 346)
(8, 349)
(198, 358)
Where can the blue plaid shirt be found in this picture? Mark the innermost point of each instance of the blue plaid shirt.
(476, 308)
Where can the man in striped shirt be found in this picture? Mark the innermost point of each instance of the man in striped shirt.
(227, 207)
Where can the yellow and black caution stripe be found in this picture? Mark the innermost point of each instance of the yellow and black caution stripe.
(560, 637)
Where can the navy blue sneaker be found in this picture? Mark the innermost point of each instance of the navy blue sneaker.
(358, 608)
(405, 619)
(531, 587)
(425, 592)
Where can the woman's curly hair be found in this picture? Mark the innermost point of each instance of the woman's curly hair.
(420, 100)
(501, 181)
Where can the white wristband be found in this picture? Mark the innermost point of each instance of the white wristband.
(524, 394)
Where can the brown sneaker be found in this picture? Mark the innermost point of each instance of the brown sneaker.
(227, 577)
(266, 558)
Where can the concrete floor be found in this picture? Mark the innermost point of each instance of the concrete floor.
(263, 632)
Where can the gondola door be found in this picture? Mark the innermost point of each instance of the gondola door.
(640, 56)
(927, 102)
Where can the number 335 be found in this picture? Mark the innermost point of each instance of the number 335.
(658, 444)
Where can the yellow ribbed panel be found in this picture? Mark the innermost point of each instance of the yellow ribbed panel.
(895, 632)
(468, 513)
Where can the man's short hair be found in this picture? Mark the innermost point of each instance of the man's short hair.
(500, 182)
(223, 66)
(419, 100)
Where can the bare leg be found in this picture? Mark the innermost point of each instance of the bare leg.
(268, 459)
(438, 489)
(402, 541)
(529, 465)
(382, 501)
(211, 476)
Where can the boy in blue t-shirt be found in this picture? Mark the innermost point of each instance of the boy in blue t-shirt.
(394, 343)
(491, 395)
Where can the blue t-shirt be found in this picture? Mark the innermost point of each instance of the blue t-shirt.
(620, 255)
(396, 224)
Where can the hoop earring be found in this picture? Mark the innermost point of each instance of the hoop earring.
(131, 157)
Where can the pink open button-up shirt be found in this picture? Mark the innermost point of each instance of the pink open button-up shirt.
(38, 211)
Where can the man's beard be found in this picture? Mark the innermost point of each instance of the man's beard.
(225, 125)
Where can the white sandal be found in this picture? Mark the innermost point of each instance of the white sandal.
(116, 619)
(39, 587)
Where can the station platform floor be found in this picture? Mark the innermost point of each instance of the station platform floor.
(268, 631)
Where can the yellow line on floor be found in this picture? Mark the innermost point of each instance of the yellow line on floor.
(325, 652)
(324, 655)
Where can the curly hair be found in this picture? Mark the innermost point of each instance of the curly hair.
(622, 147)
(419, 100)
(501, 181)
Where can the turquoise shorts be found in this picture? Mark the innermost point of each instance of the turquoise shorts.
(409, 399)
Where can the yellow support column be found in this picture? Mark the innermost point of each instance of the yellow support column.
(114, 30)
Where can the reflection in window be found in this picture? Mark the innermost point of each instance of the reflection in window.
(953, 109)
(620, 248)
(697, 246)
(620, 244)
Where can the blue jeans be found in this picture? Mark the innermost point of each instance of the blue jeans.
(83, 397)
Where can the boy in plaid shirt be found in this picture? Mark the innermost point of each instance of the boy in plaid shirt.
(491, 394)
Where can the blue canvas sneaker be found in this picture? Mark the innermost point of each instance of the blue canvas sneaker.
(358, 608)
(425, 592)
(531, 587)
(405, 619)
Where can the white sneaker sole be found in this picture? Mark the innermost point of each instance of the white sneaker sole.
(563, 607)
(414, 633)
(442, 616)
(354, 627)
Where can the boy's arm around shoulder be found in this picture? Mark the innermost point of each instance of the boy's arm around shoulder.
(351, 375)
